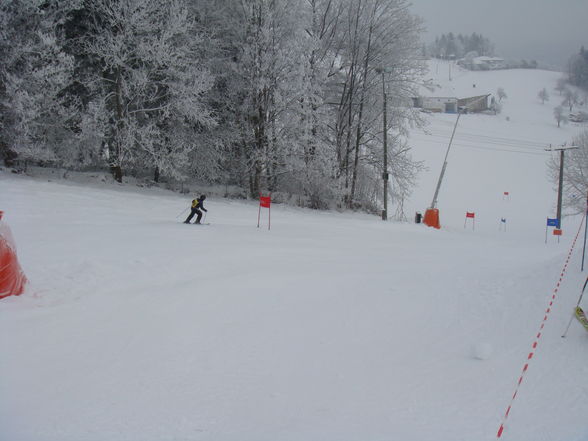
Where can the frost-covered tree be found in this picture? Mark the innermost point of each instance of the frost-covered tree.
(312, 155)
(559, 115)
(266, 67)
(501, 94)
(149, 90)
(376, 36)
(240, 92)
(560, 85)
(571, 98)
(575, 179)
(35, 113)
(543, 95)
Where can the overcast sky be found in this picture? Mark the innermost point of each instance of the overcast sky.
(549, 31)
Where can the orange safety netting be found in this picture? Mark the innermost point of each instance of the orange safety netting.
(12, 278)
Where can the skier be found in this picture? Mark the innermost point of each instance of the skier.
(197, 204)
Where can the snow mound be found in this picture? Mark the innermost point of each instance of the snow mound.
(482, 350)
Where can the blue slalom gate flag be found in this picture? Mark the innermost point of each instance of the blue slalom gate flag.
(553, 222)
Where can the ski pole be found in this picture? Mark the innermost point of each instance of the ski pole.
(577, 304)
(181, 213)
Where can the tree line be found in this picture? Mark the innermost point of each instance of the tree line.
(265, 95)
(450, 46)
(578, 69)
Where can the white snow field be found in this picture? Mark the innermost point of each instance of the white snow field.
(329, 327)
(491, 154)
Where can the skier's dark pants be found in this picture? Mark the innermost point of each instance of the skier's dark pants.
(192, 213)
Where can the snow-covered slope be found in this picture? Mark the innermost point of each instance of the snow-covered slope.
(492, 154)
(328, 327)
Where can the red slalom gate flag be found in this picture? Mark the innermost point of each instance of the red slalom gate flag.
(472, 216)
(265, 201)
(506, 193)
(557, 232)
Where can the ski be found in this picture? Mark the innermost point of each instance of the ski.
(581, 317)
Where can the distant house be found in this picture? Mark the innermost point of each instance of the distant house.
(474, 104)
(436, 104)
(451, 104)
(483, 63)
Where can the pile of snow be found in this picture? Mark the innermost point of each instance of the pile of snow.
(482, 350)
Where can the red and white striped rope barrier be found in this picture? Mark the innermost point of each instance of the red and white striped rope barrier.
(539, 334)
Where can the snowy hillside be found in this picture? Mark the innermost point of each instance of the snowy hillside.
(492, 154)
(327, 327)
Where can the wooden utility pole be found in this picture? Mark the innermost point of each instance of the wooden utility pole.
(561, 150)
(385, 173)
(560, 187)
(585, 233)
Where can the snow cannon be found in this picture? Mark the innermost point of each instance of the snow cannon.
(12, 278)
(432, 218)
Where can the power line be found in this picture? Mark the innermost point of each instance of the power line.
(532, 150)
(500, 150)
(492, 139)
(498, 139)
(514, 140)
